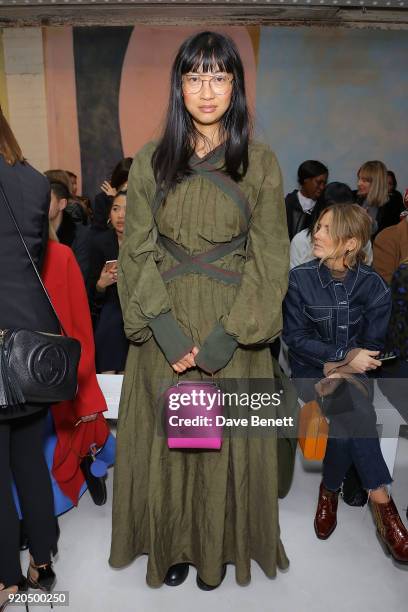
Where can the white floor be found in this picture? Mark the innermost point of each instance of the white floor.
(347, 573)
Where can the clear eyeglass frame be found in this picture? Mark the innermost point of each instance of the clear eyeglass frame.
(219, 83)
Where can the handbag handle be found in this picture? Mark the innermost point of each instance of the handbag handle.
(10, 211)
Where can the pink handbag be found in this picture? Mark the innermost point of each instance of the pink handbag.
(191, 411)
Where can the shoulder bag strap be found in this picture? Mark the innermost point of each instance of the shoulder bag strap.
(10, 211)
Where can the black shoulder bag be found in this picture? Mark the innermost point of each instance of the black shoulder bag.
(36, 367)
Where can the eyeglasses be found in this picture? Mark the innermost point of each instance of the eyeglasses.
(219, 83)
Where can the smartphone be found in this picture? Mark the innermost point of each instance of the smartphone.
(386, 356)
(111, 263)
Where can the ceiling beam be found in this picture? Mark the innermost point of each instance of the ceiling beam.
(166, 13)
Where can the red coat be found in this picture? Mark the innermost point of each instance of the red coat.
(63, 280)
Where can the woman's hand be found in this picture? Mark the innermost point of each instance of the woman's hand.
(107, 188)
(328, 385)
(185, 362)
(109, 276)
(365, 361)
(89, 417)
(86, 419)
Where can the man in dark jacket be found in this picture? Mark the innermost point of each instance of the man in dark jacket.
(74, 235)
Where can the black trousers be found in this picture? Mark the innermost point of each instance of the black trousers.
(22, 458)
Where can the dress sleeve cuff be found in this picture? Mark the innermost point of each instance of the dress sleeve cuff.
(216, 351)
(170, 337)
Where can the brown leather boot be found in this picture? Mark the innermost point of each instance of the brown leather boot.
(391, 531)
(326, 514)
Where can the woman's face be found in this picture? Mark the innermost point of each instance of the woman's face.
(323, 243)
(118, 213)
(390, 184)
(363, 184)
(313, 187)
(213, 98)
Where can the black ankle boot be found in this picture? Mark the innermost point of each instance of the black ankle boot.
(176, 574)
(208, 587)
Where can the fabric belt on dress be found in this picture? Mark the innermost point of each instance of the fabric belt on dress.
(202, 263)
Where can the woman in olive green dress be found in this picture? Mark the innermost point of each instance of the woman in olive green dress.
(219, 195)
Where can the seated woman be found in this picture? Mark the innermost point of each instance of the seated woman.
(336, 314)
(372, 193)
(391, 262)
(111, 344)
(312, 178)
(393, 382)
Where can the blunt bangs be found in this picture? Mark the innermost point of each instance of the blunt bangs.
(207, 52)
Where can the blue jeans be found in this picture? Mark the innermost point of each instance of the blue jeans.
(353, 437)
(367, 457)
(352, 415)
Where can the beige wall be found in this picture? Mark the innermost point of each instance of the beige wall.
(3, 81)
(24, 70)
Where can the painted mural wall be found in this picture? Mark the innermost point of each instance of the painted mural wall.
(330, 94)
(340, 96)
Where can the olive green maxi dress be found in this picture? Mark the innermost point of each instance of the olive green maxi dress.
(206, 508)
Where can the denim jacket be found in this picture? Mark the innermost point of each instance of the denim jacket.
(324, 318)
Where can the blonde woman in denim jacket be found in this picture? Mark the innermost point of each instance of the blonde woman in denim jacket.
(336, 314)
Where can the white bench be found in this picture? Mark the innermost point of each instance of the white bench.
(111, 386)
(388, 417)
(390, 421)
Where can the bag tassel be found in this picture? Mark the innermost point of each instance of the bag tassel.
(10, 392)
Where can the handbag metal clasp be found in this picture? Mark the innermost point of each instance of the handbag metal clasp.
(202, 382)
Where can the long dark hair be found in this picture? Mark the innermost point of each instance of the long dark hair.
(207, 51)
(121, 172)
